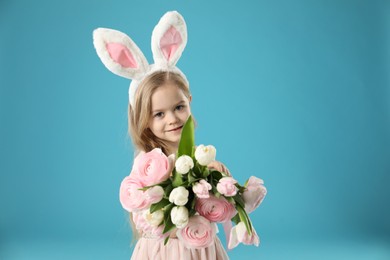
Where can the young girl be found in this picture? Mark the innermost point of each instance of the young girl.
(159, 105)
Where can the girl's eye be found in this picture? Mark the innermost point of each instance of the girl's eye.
(159, 114)
(180, 107)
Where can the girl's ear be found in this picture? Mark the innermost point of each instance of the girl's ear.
(190, 99)
(169, 38)
(119, 53)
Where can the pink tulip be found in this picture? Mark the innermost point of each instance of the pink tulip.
(226, 186)
(254, 194)
(215, 209)
(239, 234)
(152, 167)
(154, 194)
(199, 233)
(131, 198)
(201, 189)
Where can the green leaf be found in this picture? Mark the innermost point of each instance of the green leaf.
(187, 139)
(206, 172)
(242, 189)
(167, 210)
(164, 183)
(231, 200)
(168, 190)
(213, 188)
(236, 219)
(239, 201)
(197, 170)
(166, 240)
(192, 212)
(168, 225)
(159, 205)
(193, 202)
(177, 179)
(244, 218)
(192, 178)
(216, 175)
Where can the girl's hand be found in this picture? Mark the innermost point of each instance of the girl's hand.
(219, 167)
(173, 233)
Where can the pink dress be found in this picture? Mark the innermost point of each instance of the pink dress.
(154, 249)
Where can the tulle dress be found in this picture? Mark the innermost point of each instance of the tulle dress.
(151, 248)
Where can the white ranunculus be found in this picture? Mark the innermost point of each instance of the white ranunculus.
(205, 154)
(179, 196)
(179, 216)
(155, 218)
(183, 164)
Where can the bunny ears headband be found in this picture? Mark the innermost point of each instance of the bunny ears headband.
(123, 57)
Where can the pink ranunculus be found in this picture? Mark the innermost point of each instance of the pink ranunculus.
(226, 186)
(215, 209)
(198, 233)
(152, 167)
(254, 193)
(239, 234)
(130, 195)
(201, 189)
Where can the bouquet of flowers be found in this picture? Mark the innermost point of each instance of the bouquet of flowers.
(186, 197)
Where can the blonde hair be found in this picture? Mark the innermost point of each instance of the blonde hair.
(139, 116)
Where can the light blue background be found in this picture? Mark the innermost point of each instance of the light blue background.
(294, 92)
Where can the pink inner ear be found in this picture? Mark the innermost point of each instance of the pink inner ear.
(121, 54)
(170, 42)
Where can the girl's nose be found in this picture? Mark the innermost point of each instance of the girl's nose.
(172, 118)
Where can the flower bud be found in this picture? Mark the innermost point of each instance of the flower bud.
(201, 189)
(179, 216)
(155, 218)
(205, 154)
(179, 196)
(226, 186)
(183, 164)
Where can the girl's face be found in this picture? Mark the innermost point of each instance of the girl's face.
(170, 111)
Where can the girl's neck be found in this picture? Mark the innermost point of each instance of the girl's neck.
(172, 148)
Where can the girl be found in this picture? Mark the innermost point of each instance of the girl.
(159, 105)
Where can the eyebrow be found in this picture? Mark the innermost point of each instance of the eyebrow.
(158, 110)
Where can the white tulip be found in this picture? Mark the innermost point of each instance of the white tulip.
(183, 164)
(179, 216)
(155, 218)
(179, 196)
(205, 154)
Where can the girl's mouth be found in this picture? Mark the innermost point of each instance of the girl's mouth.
(176, 129)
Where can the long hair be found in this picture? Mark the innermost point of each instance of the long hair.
(139, 116)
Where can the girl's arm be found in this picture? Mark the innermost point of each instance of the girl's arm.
(219, 167)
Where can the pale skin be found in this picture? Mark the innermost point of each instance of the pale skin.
(170, 110)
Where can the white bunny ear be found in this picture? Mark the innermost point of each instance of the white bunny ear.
(119, 53)
(169, 39)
